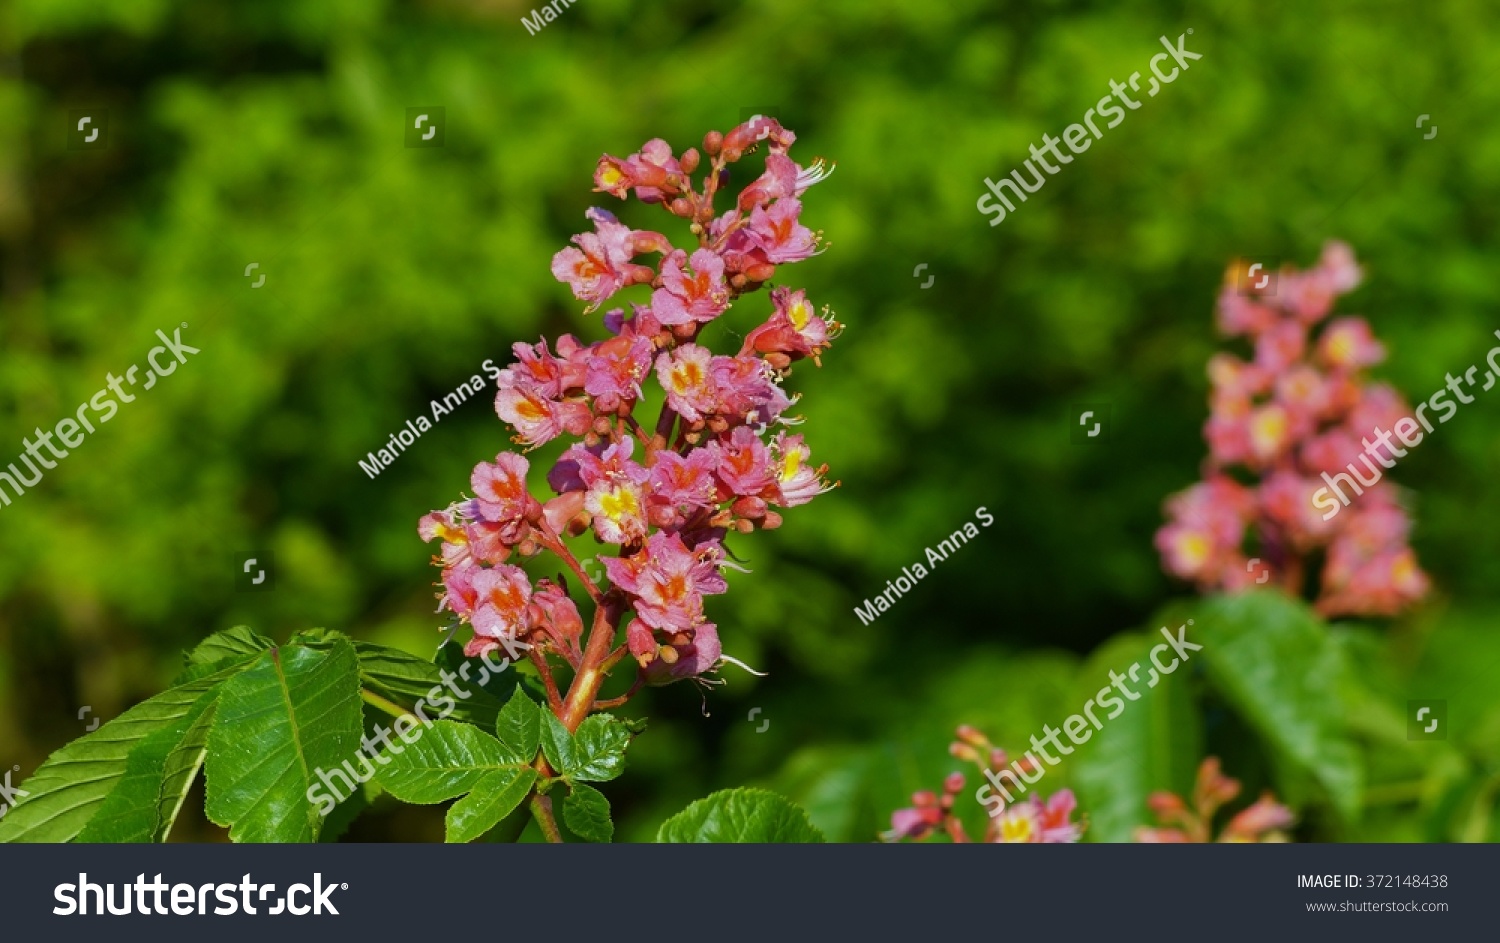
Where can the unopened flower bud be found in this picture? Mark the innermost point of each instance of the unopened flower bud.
(602, 426)
(689, 160)
(761, 272)
(970, 734)
(527, 548)
(771, 521)
(962, 751)
(744, 526)
(954, 782)
(749, 507)
(681, 207)
(718, 424)
(712, 141)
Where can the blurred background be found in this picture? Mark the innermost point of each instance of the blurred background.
(272, 133)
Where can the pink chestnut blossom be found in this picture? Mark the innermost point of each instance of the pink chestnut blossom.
(1263, 821)
(687, 375)
(1031, 820)
(601, 265)
(684, 298)
(502, 595)
(1301, 410)
(501, 496)
(664, 491)
(797, 482)
(778, 234)
(1349, 344)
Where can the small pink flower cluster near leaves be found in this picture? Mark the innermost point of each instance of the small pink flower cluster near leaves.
(1264, 821)
(665, 492)
(1032, 819)
(1299, 407)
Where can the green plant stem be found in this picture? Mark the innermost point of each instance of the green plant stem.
(390, 707)
(541, 809)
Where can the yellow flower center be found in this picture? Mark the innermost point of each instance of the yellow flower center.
(799, 314)
(1015, 828)
(686, 375)
(1193, 548)
(619, 503)
(789, 465)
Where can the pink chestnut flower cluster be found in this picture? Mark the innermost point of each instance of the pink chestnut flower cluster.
(1299, 407)
(1031, 820)
(1264, 821)
(717, 460)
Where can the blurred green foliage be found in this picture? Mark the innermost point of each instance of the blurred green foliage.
(271, 132)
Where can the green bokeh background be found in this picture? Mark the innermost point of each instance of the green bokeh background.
(271, 132)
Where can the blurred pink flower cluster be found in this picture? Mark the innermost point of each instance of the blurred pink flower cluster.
(1299, 407)
(1263, 821)
(1032, 819)
(716, 460)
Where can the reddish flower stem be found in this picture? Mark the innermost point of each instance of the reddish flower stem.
(549, 539)
(554, 698)
(591, 674)
(623, 699)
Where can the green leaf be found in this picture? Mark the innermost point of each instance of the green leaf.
(408, 680)
(158, 774)
(68, 789)
(519, 727)
(743, 816)
(557, 744)
(1147, 745)
(238, 641)
(448, 760)
(1276, 664)
(230, 648)
(599, 749)
(493, 797)
(295, 711)
(586, 813)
